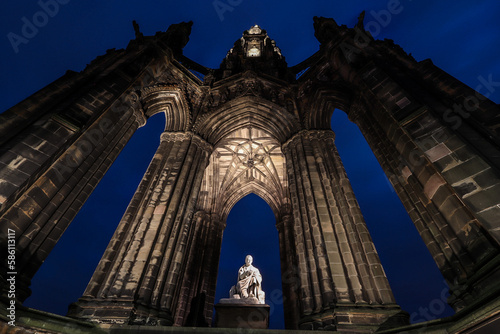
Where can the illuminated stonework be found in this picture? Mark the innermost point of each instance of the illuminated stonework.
(253, 51)
(256, 125)
(255, 30)
(247, 161)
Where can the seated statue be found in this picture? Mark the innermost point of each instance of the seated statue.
(249, 284)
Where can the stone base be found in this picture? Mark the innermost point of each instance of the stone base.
(356, 319)
(240, 315)
(118, 312)
(239, 301)
(480, 318)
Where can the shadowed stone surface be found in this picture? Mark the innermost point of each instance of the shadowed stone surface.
(256, 125)
(233, 315)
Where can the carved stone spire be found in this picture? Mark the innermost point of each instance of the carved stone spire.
(254, 51)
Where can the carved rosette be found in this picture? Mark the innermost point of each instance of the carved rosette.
(248, 160)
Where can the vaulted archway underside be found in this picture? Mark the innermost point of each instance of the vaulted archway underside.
(248, 160)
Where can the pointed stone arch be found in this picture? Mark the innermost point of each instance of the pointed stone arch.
(247, 160)
(323, 101)
(444, 169)
(240, 112)
(253, 187)
(170, 100)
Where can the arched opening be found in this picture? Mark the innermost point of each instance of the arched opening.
(66, 272)
(416, 282)
(251, 229)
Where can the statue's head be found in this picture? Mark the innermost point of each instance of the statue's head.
(248, 260)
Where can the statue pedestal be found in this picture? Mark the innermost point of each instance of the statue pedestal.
(235, 313)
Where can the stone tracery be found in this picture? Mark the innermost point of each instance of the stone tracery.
(246, 156)
(255, 125)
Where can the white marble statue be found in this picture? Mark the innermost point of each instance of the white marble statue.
(249, 286)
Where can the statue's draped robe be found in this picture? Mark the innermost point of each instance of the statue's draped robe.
(249, 276)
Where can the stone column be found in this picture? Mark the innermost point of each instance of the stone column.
(196, 299)
(211, 264)
(55, 148)
(439, 145)
(458, 242)
(289, 270)
(425, 215)
(43, 211)
(341, 281)
(140, 274)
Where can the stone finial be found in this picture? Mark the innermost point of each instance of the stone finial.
(177, 36)
(255, 30)
(325, 29)
(138, 33)
(360, 23)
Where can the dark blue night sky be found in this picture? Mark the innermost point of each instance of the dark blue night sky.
(460, 36)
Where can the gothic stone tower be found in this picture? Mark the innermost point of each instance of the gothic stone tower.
(256, 125)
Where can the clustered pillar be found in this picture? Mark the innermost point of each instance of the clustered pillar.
(196, 300)
(137, 281)
(289, 270)
(160, 268)
(457, 241)
(45, 209)
(338, 268)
